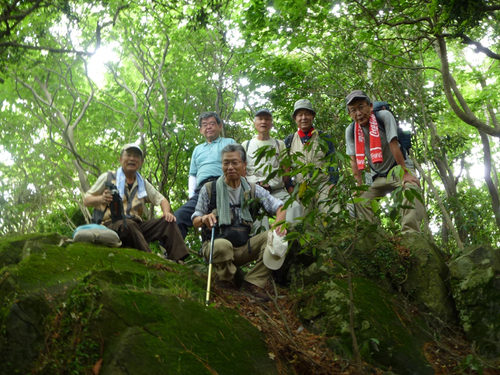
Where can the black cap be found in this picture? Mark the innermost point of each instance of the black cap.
(356, 94)
(263, 111)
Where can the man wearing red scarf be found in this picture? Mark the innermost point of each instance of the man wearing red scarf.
(311, 147)
(383, 153)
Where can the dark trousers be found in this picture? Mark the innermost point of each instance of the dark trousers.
(184, 213)
(139, 234)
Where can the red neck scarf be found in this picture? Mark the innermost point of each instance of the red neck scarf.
(375, 143)
(302, 134)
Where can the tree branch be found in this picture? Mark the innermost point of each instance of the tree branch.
(479, 47)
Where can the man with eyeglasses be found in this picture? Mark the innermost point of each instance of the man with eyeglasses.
(135, 191)
(364, 138)
(205, 166)
(227, 205)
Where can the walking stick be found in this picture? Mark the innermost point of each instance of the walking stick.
(210, 266)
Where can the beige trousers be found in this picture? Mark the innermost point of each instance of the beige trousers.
(411, 217)
(227, 259)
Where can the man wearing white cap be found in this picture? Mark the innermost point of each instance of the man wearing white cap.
(259, 170)
(134, 191)
(311, 147)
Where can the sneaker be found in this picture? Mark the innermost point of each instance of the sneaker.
(225, 284)
(259, 293)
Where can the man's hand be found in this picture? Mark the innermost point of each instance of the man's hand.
(209, 220)
(407, 177)
(169, 217)
(280, 231)
(106, 197)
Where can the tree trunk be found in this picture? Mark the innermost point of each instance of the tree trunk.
(495, 198)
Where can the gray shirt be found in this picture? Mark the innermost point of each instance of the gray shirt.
(391, 131)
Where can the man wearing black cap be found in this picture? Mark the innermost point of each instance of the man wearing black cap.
(310, 147)
(257, 172)
(135, 191)
(364, 138)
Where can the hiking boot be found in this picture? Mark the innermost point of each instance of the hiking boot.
(258, 293)
(225, 284)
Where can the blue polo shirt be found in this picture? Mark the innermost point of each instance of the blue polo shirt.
(206, 159)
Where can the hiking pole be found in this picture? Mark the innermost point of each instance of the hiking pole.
(210, 266)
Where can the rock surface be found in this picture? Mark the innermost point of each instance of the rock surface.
(475, 278)
(65, 308)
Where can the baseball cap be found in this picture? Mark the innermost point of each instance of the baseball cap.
(275, 252)
(128, 146)
(263, 111)
(356, 94)
(303, 104)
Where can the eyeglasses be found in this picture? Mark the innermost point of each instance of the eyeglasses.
(361, 108)
(207, 124)
(132, 155)
(233, 163)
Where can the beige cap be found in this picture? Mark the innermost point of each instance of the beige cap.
(275, 252)
(303, 104)
(128, 146)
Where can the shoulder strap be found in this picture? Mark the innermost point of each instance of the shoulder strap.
(248, 145)
(380, 122)
(288, 140)
(212, 195)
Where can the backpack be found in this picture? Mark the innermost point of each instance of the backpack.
(277, 146)
(236, 233)
(98, 215)
(115, 207)
(97, 234)
(404, 137)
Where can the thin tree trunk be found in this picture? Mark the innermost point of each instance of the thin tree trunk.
(495, 198)
(446, 216)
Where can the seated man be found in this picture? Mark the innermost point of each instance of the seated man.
(311, 147)
(205, 166)
(257, 172)
(381, 148)
(233, 222)
(135, 192)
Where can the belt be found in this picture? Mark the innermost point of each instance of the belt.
(271, 189)
(200, 185)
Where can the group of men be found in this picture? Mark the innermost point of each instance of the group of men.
(229, 184)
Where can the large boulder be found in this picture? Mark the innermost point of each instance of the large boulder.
(475, 280)
(428, 279)
(66, 310)
(387, 336)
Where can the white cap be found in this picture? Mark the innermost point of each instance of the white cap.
(275, 252)
(128, 146)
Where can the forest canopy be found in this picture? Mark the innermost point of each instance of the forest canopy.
(78, 79)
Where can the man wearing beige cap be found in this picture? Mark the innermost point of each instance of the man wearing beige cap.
(311, 147)
(127, 185)
(366, 138)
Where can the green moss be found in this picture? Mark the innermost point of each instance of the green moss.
(385, 333)
(63, 305)
(185, 331)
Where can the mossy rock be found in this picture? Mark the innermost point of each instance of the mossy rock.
(62, 306)
(387, 336)
(428, 281)
(475, 280)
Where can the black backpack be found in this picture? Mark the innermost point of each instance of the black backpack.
(404, 137)
(237, 233)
